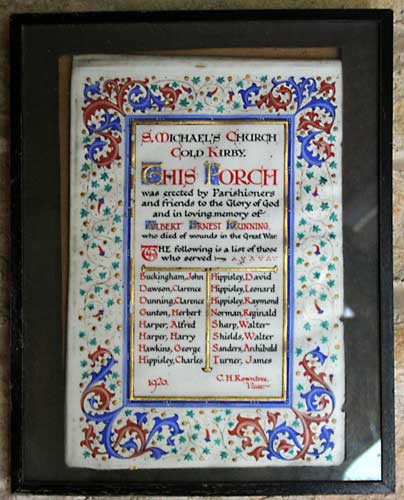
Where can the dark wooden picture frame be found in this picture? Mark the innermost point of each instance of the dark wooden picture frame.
(38, 42)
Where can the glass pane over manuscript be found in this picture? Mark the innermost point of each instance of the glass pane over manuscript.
(206, 281)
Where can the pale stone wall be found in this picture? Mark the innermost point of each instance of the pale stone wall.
(12, 6)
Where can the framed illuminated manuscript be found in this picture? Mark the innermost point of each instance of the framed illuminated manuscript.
(215, 265)
(206, 286)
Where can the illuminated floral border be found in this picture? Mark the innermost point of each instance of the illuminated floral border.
(113, 431)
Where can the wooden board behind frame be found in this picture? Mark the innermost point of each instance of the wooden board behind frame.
(36, 221)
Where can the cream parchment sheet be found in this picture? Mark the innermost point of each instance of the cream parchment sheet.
(206, 272)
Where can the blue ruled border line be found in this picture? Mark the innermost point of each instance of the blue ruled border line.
(287, 403)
